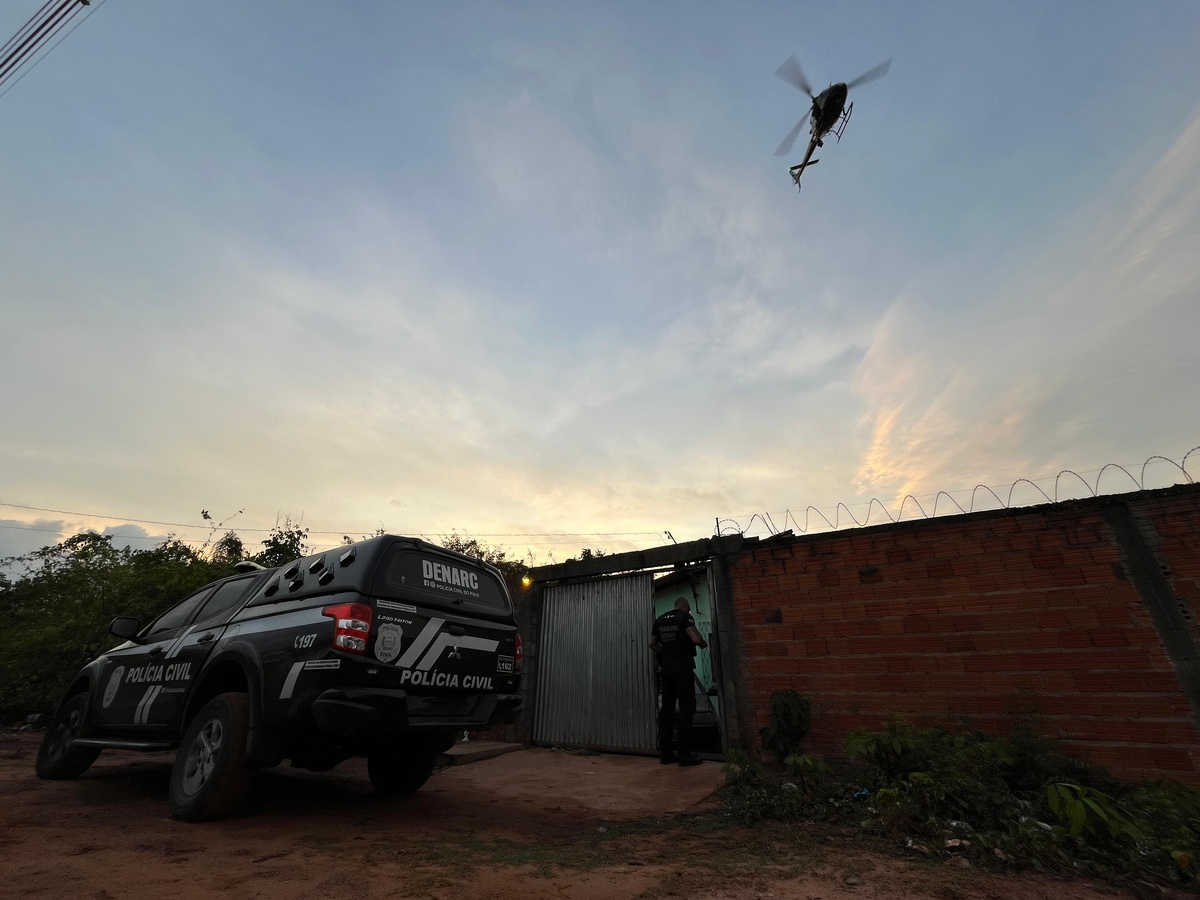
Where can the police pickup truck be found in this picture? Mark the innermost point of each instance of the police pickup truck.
(388, 648)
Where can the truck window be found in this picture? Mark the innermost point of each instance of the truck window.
(222, 603)
(442, 578)
(178, 615)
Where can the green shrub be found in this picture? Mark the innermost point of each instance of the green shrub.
(791, 715)
(1018, 800)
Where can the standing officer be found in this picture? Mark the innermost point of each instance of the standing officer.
(675, 639)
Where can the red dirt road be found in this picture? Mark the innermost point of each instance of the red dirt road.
(530, 824)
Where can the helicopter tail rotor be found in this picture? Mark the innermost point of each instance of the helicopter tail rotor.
(878, 72)
(790, 71)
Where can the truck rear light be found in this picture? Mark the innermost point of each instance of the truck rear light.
(351, 626)
(519, 664)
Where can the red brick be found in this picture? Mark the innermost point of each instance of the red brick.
(951, 604)
(1076, 557)
(1037, 640)
(1046, 559)
(1031, 600)
(1113, 615)
(1066, 577)
(817, 648)
(956, 643)
(1053, 619)
(916, 624)
(1173, 759)
(1161, 732)
(770, 648)
(1082, 618)
(1057, 681)
(1109, 637)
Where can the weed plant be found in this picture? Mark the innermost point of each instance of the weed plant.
(1000, 802)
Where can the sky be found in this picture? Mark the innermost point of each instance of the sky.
(530, 273)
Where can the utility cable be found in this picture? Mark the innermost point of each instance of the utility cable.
(21, 32)
(13, 82)
(38, 61)
(340, 531)
(34, 39)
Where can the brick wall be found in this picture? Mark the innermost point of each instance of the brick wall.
(1176, 524)
(983, 620)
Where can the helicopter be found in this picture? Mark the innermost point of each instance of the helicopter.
(828, 115)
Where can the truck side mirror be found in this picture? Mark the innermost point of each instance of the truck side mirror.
(125, 627)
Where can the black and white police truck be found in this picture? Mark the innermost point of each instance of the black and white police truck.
(388, 648)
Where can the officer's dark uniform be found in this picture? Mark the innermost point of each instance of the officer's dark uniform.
(678, 661)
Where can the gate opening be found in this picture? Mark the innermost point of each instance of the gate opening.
(598, 685)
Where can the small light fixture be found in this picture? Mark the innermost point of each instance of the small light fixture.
(526, 581)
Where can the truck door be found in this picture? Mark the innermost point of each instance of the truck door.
(183, 661)
(133, 674)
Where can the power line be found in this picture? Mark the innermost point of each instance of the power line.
(338, 532)
(38, 61)
(68, 512)
(24, 29)
(35, 38)
(124, 537)
(23, 48)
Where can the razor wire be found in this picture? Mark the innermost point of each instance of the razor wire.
(814, 516)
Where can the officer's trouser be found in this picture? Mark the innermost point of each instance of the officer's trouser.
(678, 687)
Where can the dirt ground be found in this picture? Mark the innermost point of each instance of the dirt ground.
(534, 824)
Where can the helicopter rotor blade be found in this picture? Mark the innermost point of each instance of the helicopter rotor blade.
(786, 146)
(790, 71)
(878, 72)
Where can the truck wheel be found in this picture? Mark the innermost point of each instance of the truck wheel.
(56, 758)
(211, 772)
(398, 770)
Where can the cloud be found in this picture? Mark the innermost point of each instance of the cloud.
(1088, 347)
(19, 537)
(132, 536)
(385, 369)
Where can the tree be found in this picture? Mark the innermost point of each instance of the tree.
(287, 541)
(496, 556)
(378, 532)
(228, 549)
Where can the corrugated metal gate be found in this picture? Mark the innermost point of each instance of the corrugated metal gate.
(595, 683)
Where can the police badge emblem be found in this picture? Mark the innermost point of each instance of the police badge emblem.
(114, 684)
(387, 642)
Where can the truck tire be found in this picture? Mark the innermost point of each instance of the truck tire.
(56, 758)
(211, 772)
(397, 770)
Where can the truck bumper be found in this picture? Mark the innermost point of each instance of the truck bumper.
(396, 711)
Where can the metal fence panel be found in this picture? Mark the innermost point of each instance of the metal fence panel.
(596, 674)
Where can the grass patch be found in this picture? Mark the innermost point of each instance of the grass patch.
(1001, 803)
